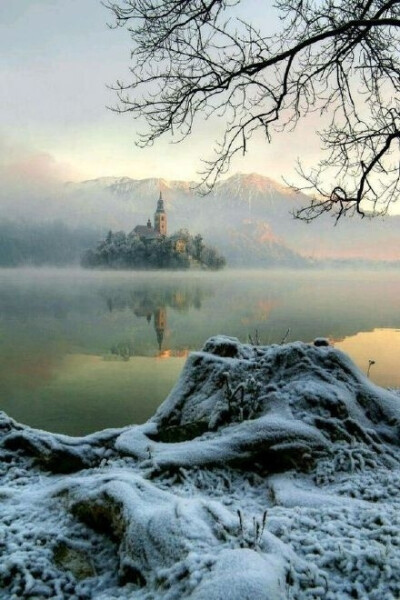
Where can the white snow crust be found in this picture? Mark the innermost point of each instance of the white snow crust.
(269, 473)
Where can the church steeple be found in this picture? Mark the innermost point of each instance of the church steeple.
(160, 217)
(160, 203)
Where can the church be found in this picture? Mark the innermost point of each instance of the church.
(148, 233)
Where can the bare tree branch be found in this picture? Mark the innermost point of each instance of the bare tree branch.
(193, 58)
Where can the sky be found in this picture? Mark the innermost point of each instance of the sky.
(56, 59)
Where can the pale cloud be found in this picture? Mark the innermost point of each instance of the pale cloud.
(30, 168)
(32, 182)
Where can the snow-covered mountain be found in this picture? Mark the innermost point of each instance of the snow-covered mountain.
(246, 214)
(234, 217)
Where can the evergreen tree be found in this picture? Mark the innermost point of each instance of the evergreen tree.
(121, 251)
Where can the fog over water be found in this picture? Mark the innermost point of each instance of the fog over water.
(83, 350)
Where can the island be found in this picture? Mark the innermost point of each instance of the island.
(150, 247)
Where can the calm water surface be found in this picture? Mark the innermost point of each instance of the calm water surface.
(83, 350)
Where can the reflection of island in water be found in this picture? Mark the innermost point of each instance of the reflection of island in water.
(57, 328)
(152, 304)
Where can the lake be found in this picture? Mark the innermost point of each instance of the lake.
(84, 350)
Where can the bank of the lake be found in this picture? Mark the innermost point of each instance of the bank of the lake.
(285, 484)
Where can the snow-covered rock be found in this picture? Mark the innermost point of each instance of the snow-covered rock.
(269, 472)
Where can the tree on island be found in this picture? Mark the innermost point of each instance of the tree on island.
(193, 57)
(198, 247)
(128, 251)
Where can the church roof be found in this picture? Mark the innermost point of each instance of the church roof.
(146, 232)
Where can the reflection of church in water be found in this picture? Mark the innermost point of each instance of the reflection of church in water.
(153, 303)
(160, 321)
(159, 316)
(151, 300)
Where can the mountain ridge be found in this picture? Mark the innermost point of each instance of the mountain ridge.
(248, 216)
(251, 196)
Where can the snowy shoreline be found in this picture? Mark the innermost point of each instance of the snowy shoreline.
(269, 472)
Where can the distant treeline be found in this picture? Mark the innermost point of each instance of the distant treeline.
(128, 251)
(43, 243)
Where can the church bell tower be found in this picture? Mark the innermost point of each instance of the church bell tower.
(160, 218)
